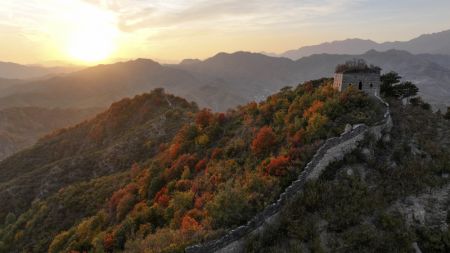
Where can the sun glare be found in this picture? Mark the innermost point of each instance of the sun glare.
(92, 38)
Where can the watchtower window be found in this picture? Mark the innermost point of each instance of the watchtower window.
(360, 86)
(371, 85)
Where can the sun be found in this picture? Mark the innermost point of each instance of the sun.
(91, 45)
(93, 37)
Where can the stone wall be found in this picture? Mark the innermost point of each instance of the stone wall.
(332, 150)
(370, 82)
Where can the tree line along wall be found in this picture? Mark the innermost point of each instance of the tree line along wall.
(332, 150)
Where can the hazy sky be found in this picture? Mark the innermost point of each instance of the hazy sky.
(33, 31)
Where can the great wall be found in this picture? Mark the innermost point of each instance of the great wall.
(332, 150)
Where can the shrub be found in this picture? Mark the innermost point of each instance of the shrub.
(278, 166)
(203, 118)
(264, 140)
(447, 114)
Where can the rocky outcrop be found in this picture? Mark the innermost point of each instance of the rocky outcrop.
(332, 150)
(426, 210)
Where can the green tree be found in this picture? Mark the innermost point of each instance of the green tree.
(229, 207)
(447, 114)
(405, 90)
(10, 219)
(387, 83)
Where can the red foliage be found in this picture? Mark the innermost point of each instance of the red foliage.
(308, 87)
(216, 152)
(252, 107)
(162, 198)
(178, 166)
(214, 180)
(265, 138)
(201, 165)
(130, 189)
(185, 160)
(278, 166)
(125, 204)
(135, 169)
(162, 147)
(189, 224)
(315, 107)
(173, 150)
(108, 242)
(221, 118)
(195, 187)
(202, 200)
(196, 214)
(204, 118)
(297, 139)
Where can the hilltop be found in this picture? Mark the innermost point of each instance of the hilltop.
(128, 132)
(162, 177)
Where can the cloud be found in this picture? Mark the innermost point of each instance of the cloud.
(108, 4)
(157, 14)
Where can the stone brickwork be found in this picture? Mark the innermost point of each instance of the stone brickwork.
(332, 150)
(367, 82)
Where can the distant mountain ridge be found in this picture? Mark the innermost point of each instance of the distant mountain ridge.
(220, 82)
(9, 70)
(22, 127)
(435, 43)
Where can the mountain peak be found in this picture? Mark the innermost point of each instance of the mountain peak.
(144, 61)
(189, 61)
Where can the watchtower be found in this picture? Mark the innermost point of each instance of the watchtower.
(358, 74)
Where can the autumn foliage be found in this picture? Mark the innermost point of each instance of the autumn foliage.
(162, 198)
(221, 168)
(315, 107)
(264, 140)
(189, 224)
(277, 166)
(204, 118)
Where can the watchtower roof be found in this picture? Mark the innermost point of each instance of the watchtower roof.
(356, 66)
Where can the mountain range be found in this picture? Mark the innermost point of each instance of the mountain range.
(435, 43)
(11, 70)
(220, 82)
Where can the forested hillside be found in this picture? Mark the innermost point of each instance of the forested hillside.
(130, 131)
(387, 196)
(22, 127)
(162, 194)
